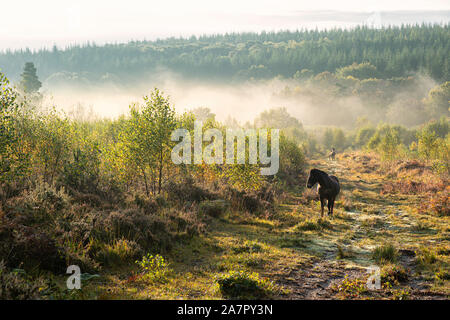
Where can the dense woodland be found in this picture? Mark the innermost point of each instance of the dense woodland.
(393, 51)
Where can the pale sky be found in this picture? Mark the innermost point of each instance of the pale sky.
(37, 24)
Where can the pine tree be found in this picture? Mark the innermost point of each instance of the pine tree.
(30, 82)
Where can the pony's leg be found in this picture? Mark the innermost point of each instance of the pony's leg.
(322, 204)
(332, 205)
(330, 202)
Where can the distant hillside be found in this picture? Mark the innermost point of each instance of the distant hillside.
(394, 51)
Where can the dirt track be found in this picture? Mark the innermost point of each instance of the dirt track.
(320, 278)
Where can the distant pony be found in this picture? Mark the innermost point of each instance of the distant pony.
(332, 154)
(328, 190)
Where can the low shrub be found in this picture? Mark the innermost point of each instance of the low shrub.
(149, 206)
(251, 201)
(187, 191)
(37, 205)
(149, 231)
(309, 195)
(155, 232)
(93, 200)
(409, 186)
(394, 274)
(351, 288)
(213, 208)
(14, 285)
(47, 196)
(185, 223)
(82, 258)
(439, 203)
(29, 248)
(154, 268)
(245, 285)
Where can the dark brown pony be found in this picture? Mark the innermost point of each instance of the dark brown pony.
(332, 154)
(328, 190)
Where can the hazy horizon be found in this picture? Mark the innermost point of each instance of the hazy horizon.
(49, 22)
(77, 27)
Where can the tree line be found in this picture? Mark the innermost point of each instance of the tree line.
(392, 51)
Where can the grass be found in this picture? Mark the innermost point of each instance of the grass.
(260, 254)
(426, 258)
(343, 254)
(248, 246)
(119, 253)
(314, 225)
(384, 254)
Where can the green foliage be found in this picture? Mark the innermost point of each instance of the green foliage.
(428, 144)
(29, 80)
(122, 251)
(361, 71)
(46, 196)
(314, 225)
(303, 74)
(248, 247)
(389, 145)
(352, 288)
(245, 285)
(242, 56)
(327, 139)
(390, 141)
(203, 114)
(363, 135)
(438, 100)
(16, 285)
(394, 274)
(442, 275)
(82, 172)
(154, 268)
(52, 141)
(400, 294)
(339, 140)
(8, 97)
(334, 138)
(426, 258)
(13, 161)
(213, 208)
(440, 127)
(277, 118)
(433, 143)
(147, 137)
(385, 253)
(292, 161)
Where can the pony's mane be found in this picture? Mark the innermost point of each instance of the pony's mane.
(325, 177)
(319, 171)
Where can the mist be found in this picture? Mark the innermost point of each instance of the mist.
(308, 101)
(240, 101)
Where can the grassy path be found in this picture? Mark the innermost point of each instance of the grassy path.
(305, 256)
